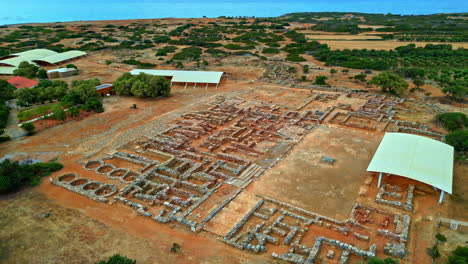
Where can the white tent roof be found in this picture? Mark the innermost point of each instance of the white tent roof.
(38, 53)
(415, 157)
(59, 57)
(184, 76)
(7, 70)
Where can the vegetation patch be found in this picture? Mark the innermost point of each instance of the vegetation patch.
(142, 85)
(117, 259)
(14, 175)
(453, 121)
(188, 53)
(28, 114)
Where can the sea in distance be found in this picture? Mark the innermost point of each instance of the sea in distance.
(29, 11)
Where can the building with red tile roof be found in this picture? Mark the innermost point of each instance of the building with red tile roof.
(21, 82)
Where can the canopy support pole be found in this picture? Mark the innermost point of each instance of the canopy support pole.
(185, 86)
(206, 87)
(217, 85)
(441, 198)
(195, 86)
(170, 85)
(380, 179)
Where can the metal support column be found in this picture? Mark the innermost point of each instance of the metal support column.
(441, 198)
(380, 179)
(206, 87)
(185, 86)
(195, 86)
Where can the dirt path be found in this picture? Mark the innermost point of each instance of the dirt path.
(12, 128)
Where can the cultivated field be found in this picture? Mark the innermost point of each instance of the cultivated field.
(379, 45)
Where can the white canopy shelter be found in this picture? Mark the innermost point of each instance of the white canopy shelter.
(415, 157)
(185, 76)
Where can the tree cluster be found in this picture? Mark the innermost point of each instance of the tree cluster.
(26, 69)
(142, 85)
(7, 92)
(45, 91)
(457, 125)
(458, 139)
(188, 53)
(83, 92)
(459, 256)
(390, 82)
(453, 121)
(13, 175)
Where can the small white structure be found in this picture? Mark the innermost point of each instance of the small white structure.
(61, 73)
(415, 157)
(195, 77)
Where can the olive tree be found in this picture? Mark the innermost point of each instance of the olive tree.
(390, 82)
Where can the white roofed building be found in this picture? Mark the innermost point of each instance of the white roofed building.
(176, 76)
(416, 157)
(38, 57)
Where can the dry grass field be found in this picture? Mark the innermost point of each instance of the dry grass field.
(341, 37)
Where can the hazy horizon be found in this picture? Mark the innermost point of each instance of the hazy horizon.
(87, 10)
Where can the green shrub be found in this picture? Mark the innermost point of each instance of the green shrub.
(216, 52)
(238, 47)
(44, 169)
(433, 252)
(7, 91)
(270, 51)
(453, 121)
(175, 248)
(441, 238)
(13, 175)
(4, 138)
(117, 259)
(131, 62)
(165, 50)
(321, 80)
(458, 139)
(29, 127)
(360, 77)
(188, 53)
(73, 111)
(295, 58)
(459, 256)
(93, 104)
(4, 112)
(58, 113)
(42, 74)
